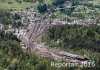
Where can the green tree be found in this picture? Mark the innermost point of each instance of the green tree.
(42, 8)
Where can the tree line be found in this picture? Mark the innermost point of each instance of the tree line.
(74, 37)
(7, 19)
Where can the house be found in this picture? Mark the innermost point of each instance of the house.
(10, 31)
(92, 21)
(1, 26)
(46, 21)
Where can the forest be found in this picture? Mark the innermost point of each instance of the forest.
(13, 57)
(74, 37)
(84, 40)
(6, 19)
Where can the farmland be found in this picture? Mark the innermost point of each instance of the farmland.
(15, 5)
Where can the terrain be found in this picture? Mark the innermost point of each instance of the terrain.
(13, 4)
(34, 33)
(81, 9)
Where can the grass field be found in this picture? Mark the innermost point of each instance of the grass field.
(16, 6)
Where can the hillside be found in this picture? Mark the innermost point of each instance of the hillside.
(13, 57)
(83, 9)
(71, 8)
(35, 33)
(13, 4)
(76, 39)
(75, 9)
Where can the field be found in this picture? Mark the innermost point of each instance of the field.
(88, 9)
(81, 11)
(15, 5)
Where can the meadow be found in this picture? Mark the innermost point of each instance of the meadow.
(15, 5)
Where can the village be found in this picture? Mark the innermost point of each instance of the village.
(31, 32)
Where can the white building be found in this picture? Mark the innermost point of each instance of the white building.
(1, 26)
